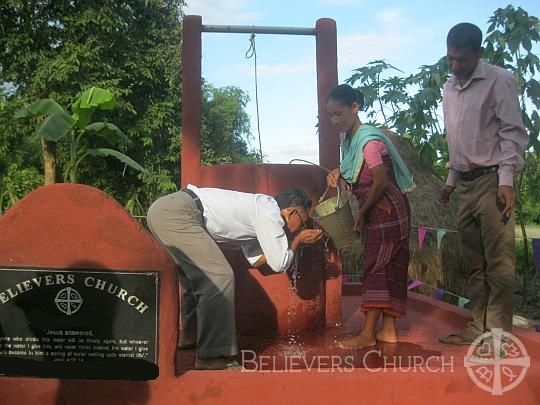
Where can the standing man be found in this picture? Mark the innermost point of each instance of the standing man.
(191, 223)
(486, 140)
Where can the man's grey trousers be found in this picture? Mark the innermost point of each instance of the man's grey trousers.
(206, 277)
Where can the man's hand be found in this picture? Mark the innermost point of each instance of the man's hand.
(310, 236)
(306, 237)
(332, 178)
(507, 197)
(445, 195)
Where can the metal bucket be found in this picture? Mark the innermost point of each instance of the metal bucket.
(335, 217)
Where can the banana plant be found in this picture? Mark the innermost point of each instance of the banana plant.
(59, 124)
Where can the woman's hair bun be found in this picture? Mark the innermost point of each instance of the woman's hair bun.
(347, 95)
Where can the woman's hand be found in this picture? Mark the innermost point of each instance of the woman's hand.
(332, 178)
(360, 222)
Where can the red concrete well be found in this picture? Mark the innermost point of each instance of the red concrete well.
(268, 303)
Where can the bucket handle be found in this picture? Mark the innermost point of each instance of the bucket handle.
(338, 195)
(311, 163)
(326, 189)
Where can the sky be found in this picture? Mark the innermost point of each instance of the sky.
(405, 33)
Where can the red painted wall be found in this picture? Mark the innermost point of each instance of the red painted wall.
(75, 226)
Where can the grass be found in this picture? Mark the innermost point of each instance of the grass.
(533, 231)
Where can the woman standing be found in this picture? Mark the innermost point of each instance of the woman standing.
(378, 178)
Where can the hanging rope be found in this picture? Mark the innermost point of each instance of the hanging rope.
(252, 53)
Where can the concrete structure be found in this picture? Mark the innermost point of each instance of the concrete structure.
(269, 304)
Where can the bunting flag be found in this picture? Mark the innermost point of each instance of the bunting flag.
(536, 253)
(462, 301)
(440, 235)
(439, 292)
(421, 235)
(415, 284)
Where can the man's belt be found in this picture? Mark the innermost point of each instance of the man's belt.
(196, 199)
(477, 172)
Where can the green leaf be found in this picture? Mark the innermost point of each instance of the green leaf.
(90, 100)
(110, 132)
(533, 91)
(119, 155)
(55, 127)
(427, 155)
(526, 42)
(81, 116)
(41, 107)
(97, 97)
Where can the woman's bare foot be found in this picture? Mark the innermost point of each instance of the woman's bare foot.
(386, 336)
(357, 343)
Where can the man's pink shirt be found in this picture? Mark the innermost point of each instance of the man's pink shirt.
(483, 124)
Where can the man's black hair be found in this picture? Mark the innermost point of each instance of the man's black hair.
(464, 35)
(293, 198)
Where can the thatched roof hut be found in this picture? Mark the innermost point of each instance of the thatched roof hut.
(442, 268)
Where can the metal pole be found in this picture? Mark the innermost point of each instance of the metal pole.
(246, 29)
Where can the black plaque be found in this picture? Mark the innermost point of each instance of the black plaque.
(79, 323)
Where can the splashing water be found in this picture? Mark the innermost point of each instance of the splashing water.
(292, 345)
(294, 270)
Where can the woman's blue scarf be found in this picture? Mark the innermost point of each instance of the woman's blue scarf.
(352, 157)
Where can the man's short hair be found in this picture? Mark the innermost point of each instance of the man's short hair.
(464, 35)
(293, 198)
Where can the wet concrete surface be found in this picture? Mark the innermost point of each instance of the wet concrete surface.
(418, 347)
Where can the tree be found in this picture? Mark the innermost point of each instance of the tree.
(16, 177)
(411, 105)
(225, 126)
(58, 125)
(55, 49)
(509, 44)
(52, 49)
